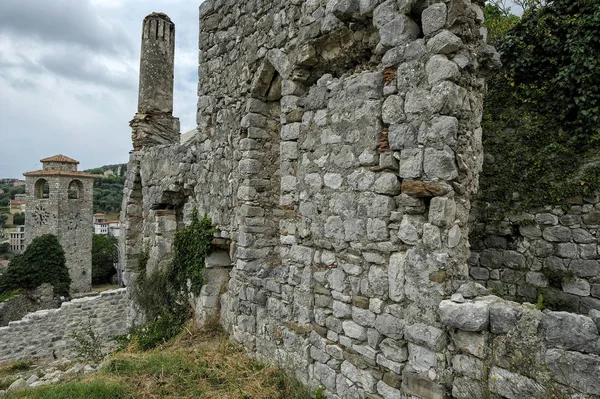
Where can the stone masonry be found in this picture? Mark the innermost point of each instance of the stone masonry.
(337, 151)
(46, 334)
(60, 202)
(553, 252)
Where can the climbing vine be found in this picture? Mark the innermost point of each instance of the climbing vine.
(163, 296)
(541, 118)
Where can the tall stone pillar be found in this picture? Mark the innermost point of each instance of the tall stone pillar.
(154, 122)
(157, 65)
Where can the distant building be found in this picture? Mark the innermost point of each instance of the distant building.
(114, 228)
(17, 206)
(20, 197)
(111, 228)
(16, 237)
(18, 183)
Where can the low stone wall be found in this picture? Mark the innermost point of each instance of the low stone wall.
(503, 348)
(46, 334)
(553, 252)
(30, 301)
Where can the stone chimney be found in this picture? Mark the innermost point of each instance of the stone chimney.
(154, 122)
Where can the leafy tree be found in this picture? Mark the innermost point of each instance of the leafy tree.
(4, 248)
(19, 219)
(3, 218)
(103, 254)
(42, 262)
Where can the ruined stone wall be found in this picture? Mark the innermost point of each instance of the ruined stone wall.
(498, 348)
(337, 151)
(46, 334)
(553, 252)
(29, 301)
(355, 132)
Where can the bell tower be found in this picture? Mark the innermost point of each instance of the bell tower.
(59, 201)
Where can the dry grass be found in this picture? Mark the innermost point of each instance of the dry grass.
(202, 364)
(197, 364)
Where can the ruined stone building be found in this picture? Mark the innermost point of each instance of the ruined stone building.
(337, 152)
(60, 201)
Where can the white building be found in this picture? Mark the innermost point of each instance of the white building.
(17, 239)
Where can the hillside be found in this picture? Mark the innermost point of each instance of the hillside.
(108, 191)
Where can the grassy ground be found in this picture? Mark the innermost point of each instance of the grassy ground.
(202, 364)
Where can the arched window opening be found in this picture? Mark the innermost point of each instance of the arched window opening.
(75, 189)
(42, 189)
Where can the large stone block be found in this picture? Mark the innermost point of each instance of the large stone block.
(514, 386)
(570, 332)
(575, 370)
(468, 316)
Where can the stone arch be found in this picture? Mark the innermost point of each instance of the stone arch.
(75, 189)
(41, 189)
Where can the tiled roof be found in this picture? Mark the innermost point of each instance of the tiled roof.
(99, 214)
(70, 173)
(17, 202)
(60, 158)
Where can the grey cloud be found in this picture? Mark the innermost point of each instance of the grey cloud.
(82, 67)
(64, 21)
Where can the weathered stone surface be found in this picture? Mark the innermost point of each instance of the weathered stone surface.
(400, 30)
(411, 163)
(504, 316)
(390, 326)
(439, 68)
(439, 164)
(468, 316)
(514, 386)
(444, 42)
(570, 332)
(575, 370)
(434, 18)
(422, 334)
(466, 388)
(394, 350)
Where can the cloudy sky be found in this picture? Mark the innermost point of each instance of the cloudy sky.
(69, 77)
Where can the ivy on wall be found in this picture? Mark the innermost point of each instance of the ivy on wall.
(164, 295)
(541, 116)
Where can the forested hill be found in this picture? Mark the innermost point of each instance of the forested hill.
(108, 191)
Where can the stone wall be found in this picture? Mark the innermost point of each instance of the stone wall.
(553, 252)
(46, 334)
(503, 349)
(338, 148)
(355, 131)
(29, 301)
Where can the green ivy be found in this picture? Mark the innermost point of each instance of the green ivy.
(192, 246)
(541, 126)
(163, 295)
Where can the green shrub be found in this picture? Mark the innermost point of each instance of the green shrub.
(103, 257)
(163, 295)
(42, 262)
(87, 345)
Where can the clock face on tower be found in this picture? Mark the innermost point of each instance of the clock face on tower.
(40, 216)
